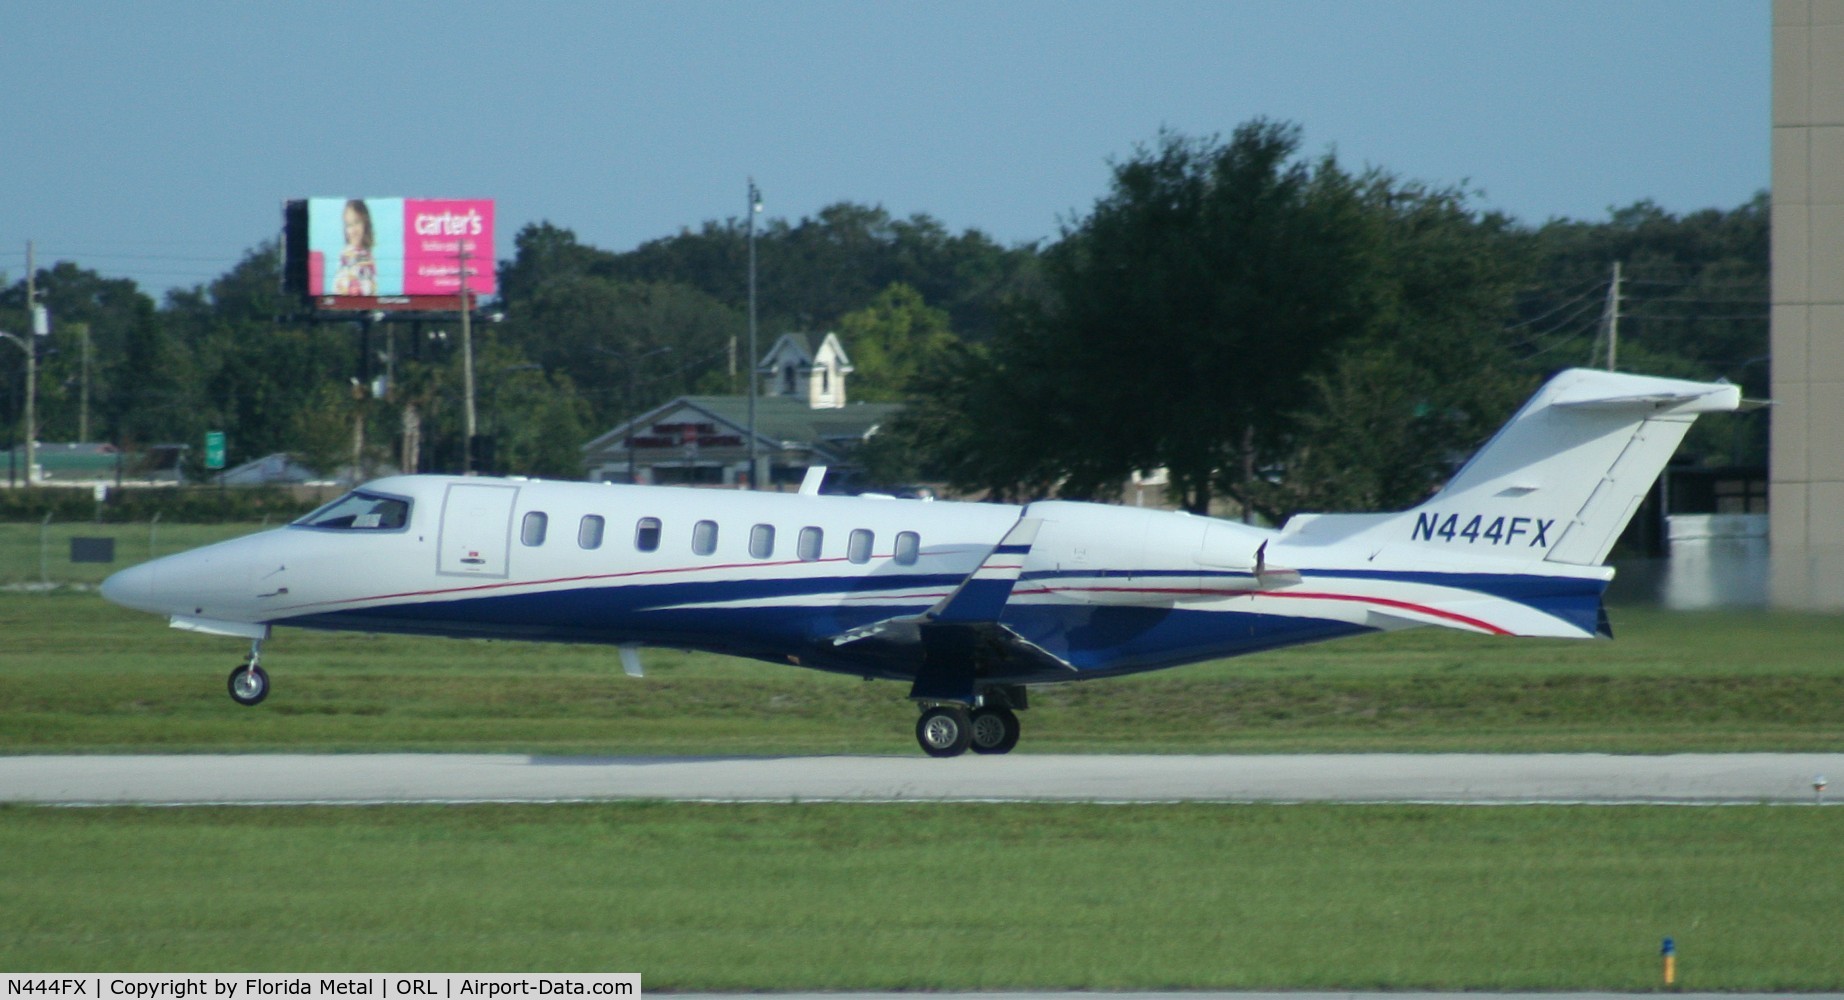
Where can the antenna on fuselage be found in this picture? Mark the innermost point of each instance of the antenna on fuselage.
(630, 661)
(810, 483)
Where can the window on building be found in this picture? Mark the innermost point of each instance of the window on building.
(704, 538)
(908, 547)
(531, 532)
(589, 533)
(858, 547)
(762, 541)
(811, 540)
(646, 534)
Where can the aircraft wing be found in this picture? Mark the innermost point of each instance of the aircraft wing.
(962, 633)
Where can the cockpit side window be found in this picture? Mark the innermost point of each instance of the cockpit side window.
(360, 511)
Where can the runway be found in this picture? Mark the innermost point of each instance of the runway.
(1467, 779)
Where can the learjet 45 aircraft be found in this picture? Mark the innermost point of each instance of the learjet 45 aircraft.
(969, 603)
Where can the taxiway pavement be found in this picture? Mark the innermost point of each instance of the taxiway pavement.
(200, 779)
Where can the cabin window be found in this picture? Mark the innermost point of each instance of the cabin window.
(704, 538)
(358, 511)
(531, 532)
(762, 541)
(589, 533)
(908, 547)
(646, 534)
(810, 541)
(858, 547)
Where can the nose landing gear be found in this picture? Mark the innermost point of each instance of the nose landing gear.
(249, 683)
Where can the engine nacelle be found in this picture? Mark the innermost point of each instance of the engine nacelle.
(1098, 554)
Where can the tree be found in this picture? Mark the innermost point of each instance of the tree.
(891, 341)
(1429, 379)
(625, 345)
(543, 252)
(254, 371)
(119, 319)
(1186, 312)
(813, 271)
(1694, 303)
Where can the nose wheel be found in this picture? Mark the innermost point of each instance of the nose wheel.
(249, 683)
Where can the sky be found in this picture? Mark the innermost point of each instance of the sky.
(157, 140)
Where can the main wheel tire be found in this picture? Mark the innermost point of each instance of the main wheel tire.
(944, 732)
(995, 730)
(249, 685)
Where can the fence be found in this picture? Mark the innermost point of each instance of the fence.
(40, 554)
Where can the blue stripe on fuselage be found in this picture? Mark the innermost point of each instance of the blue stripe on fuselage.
(1094, 639)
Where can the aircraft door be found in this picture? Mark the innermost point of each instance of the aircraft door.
(476, 529)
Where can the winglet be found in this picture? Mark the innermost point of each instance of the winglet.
(982, 595)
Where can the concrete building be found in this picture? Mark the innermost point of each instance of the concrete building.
(1807, 464)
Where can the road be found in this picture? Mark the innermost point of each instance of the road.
(197, 779)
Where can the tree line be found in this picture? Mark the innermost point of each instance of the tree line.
(1276, 330)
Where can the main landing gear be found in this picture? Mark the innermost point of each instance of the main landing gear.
(249, 683)
(949, 730)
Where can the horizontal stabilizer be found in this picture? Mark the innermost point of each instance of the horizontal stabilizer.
(1672, 396)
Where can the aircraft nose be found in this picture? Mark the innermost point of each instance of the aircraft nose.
(135, 587)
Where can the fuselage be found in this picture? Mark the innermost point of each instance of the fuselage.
(776, 577)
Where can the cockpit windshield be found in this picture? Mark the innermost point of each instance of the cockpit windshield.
(360, 511)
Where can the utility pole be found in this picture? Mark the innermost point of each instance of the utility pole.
(755, 207)
(83, 387)
(40, 327)
(467, 369)
(1613, 318)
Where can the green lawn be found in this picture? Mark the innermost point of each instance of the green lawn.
(40, 553)
(77, 674)
(932, 896)
(942, 897)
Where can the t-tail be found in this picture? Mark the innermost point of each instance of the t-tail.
(1531, 518)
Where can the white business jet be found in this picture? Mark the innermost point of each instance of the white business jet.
(969, 603)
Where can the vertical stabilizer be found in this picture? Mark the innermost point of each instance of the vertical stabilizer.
(1558, 482)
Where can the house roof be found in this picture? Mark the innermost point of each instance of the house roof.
(779, 419)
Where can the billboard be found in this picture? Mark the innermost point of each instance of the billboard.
(390, 253)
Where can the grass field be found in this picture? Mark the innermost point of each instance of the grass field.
(40, 553)
(930, 897)
(77, 674)
(942, 897)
